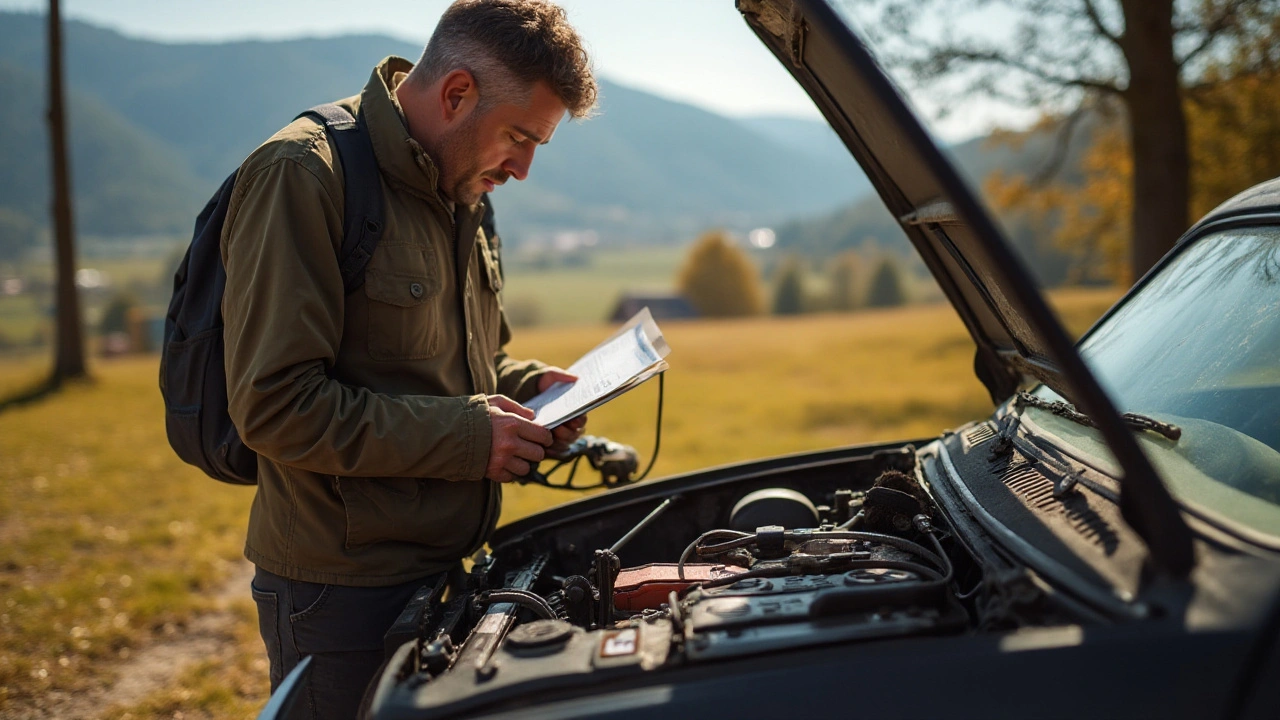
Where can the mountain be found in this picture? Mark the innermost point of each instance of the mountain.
(125, 181)
(649, 161)
(866, 220)
(212, 102)
(645, 169)
(816, 140)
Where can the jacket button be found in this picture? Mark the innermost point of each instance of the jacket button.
(415, 289)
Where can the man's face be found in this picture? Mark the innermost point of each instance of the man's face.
(484, 150)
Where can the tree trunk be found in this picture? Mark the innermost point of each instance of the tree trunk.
(1157, 132)
(68, 360)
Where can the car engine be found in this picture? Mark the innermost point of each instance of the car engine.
(837, 551)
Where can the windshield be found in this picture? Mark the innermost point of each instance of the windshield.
(1199, 346)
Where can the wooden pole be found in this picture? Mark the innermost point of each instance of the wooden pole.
(69, 362)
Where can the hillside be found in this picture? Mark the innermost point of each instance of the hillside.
(649, 161)
(645, 169)
(126, 182)
(866, 220)
(813, 138)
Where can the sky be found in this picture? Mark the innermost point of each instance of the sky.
(695, 51)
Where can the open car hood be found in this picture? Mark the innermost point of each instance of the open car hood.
(976, 268)
(1019, 339)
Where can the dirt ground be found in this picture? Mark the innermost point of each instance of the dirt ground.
(153, 667)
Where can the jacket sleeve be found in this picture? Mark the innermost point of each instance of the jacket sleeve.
(283, 310)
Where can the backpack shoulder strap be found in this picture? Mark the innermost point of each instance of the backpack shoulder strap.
(362, 196)
(491, 233)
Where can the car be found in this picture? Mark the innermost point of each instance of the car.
(1106, 544)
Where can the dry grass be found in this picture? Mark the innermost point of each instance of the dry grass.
(754, 388)
(108, 543)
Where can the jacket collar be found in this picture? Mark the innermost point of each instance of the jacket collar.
(399, 155)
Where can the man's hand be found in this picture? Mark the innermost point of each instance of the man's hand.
(571, 430)
(517, 443)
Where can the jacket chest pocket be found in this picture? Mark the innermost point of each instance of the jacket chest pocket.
(403, 289)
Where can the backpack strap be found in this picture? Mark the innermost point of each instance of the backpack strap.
(491, 233)
(363, 221)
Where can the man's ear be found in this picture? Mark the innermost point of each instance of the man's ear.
(458, 95)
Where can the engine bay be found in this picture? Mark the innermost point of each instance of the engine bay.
(825, 550)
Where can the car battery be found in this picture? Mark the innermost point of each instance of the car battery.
(649, 586)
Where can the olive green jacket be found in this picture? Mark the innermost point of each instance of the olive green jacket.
(367, 410)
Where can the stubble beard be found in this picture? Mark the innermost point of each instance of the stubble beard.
(459, 167)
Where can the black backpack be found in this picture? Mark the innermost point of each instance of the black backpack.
(193, 378)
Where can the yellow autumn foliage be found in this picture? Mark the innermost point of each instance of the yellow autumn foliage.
(1234, 141)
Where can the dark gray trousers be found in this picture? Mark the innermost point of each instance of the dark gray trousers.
(340, 627)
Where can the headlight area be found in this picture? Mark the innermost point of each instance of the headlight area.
(832, 550)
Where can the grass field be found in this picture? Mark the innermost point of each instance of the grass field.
(109, 544)
(585, 294)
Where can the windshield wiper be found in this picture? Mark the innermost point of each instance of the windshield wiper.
(1066, 410)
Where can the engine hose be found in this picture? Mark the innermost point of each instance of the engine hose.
(890, 540)
(782, 571)
(800, 536)
(523, 598)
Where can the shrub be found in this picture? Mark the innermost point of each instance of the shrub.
(115, 318)
(523, 311)
(719, 279)
(788, 294)
(844, 282)
(887, 288)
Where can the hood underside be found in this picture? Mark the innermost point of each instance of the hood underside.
(1019, 339)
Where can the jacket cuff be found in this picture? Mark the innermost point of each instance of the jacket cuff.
(520, 379)
(478, 432)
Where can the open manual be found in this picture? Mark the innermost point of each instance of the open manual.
(630, 356)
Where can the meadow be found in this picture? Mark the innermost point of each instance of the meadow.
(110, 547)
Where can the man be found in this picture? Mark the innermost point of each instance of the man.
(386, 418)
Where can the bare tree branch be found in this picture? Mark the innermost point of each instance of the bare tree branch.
(946, 56)
(1062, 143)
(1091, 11)
(1225, 19)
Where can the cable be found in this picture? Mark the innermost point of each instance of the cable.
(657, 436)
(544, 479)
(684, 556)
(726, 546)
(852, 522)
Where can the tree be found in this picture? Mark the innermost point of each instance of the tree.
(844, 281)
(1067, 54)
(68, 360)
(886, 288)
(1235, 123)
(115, 317)
(719, 279)
(1234, 141)
(1090, 223)
(788, 294)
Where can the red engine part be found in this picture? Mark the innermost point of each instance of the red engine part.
(648, 586)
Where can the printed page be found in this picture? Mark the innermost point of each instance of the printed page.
(613, 366)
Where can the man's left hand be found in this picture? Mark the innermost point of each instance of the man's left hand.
(571, 430)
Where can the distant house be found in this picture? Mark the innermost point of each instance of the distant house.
(663, 306)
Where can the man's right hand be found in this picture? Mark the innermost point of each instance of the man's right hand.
(517, 443)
